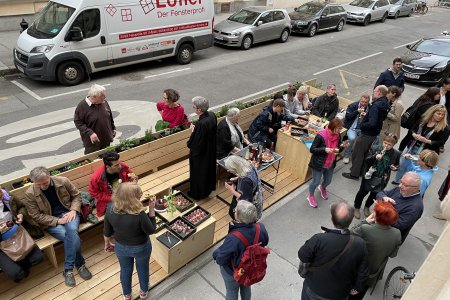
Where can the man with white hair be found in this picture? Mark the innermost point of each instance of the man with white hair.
(230, 137)
(94, 119)
(407, 200)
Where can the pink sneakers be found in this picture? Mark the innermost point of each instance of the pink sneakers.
(323, 192)
(312, 201)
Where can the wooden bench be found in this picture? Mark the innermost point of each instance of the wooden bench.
(160, 166)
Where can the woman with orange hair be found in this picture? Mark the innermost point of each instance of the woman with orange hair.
(382, 241)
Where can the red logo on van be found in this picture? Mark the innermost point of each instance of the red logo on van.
(124, 50)
(173, 3)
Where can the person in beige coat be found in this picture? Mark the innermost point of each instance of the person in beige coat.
(55, 204)
(392, 122)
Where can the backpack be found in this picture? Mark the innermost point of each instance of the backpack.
(409, 117)
(253, 265)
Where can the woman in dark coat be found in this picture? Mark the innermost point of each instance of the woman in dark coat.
(427, 100)
(202, 154)
(325, 147)
(430, 133)
(230, 137)
(381, 239)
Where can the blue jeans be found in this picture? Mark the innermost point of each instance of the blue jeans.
(317, 175)
(405, 166)
(233, 288)
(352, 134)
(127, 255)
(68, 234)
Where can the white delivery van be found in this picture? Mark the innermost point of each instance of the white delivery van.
(72, 38)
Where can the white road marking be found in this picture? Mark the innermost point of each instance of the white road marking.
(27, 90)
(39, 98)
(415, 87)
(165, 73)
(405, 44)
(347, 63)
(245, 97)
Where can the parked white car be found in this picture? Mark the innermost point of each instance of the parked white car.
(366, 11)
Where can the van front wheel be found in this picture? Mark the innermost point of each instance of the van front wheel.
(185, 53)
(70, 73)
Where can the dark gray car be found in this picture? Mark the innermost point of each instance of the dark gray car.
(253, 25)
(313, 17)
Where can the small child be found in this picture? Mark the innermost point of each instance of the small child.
(384, 160)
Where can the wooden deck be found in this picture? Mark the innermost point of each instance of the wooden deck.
(46, 282)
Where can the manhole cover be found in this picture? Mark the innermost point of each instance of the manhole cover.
(133, 77)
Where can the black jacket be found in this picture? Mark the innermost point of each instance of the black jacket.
(349, 272)
(438, 139)
(372, 122)
(259, 129)
(318, 153)
(325, 104)
(224, 143)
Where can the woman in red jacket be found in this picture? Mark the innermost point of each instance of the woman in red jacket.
(170, 110)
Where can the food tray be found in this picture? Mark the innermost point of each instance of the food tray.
(182, 236)
(199, 222)
(161, 224)
(168, 242)
(184, 208)
(296, 131)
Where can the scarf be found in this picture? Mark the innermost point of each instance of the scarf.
(331, 141)
(416, 147)
(382, 165)
(236, 137)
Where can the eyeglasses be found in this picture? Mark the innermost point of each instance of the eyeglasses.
(408, 185)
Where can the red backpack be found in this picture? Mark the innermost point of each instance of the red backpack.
(253, 265)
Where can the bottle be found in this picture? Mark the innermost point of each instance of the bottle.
(324, 119)
(272, 147)
(247, 154)
(250, 150)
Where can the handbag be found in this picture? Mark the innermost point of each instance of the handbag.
(19, 245)
(305, 268)
(374, 184)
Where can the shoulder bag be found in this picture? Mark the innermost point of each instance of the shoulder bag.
(305, 268)
(19, 245)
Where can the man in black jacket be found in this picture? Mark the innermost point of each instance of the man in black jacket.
(327, 105)
(349, 273)
(370, 128)
(392, 76)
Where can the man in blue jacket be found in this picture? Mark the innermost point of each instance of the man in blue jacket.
(407, 200)
(352, 121)
(371, 126)
(232, 248)
(392, 76)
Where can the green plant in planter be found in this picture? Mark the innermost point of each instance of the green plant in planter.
(148, 135)
(224, 110)
(125, 144)
(240, 105)
(161, 125)
(55, 172)
(297, 85)
(110, 149)
(72, 165)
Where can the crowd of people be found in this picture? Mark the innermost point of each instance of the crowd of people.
(52, 204)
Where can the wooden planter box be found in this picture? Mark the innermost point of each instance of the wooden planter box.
(179, 255)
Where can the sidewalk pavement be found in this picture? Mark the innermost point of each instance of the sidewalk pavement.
(290, 222)
(8, 41)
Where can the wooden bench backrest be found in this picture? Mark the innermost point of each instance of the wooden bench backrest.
(147, 157)
(315, 92)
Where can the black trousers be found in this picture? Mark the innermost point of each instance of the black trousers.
(362, 193)
(17, 270)
(360, 148)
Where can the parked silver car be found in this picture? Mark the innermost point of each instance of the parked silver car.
(253, 25)
(366, 11)
(402, 8)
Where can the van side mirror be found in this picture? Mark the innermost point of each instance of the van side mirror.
(259, 23)
(374, 7)
(23, 25)
(75, 34)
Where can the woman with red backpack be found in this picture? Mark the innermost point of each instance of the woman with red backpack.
(231, 255)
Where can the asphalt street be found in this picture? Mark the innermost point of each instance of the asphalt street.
(36, 128)
(36, 117)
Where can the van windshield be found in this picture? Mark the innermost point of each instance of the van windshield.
(50, 21)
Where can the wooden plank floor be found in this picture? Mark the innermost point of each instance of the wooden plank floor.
(45, 282)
